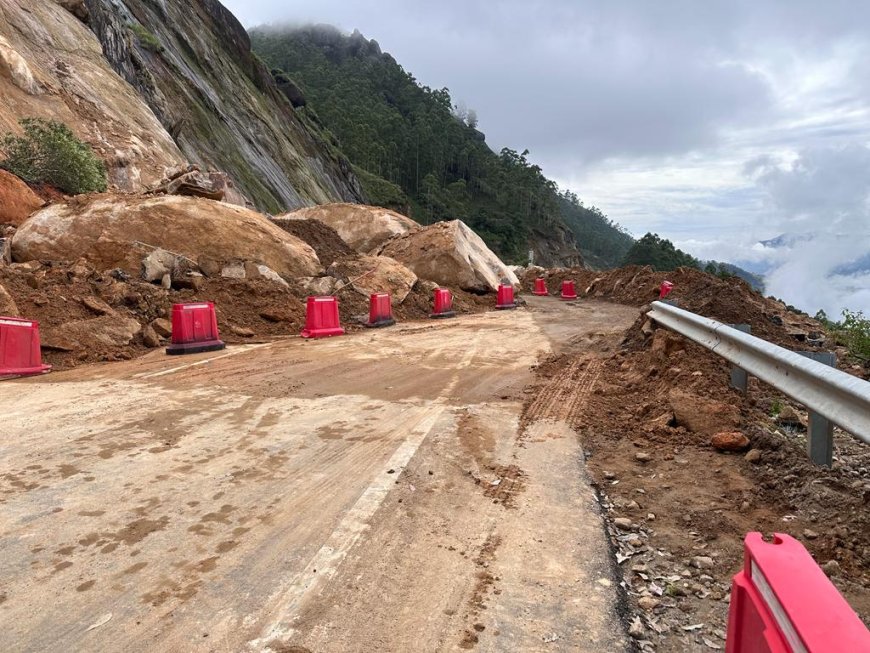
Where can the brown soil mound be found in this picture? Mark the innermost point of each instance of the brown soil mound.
(323, 238)
(731, 301)
(685, 499)
(248, 310)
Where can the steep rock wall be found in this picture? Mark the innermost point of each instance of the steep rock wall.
(52, 67)
(191, 60)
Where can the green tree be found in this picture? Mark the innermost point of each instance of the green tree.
(48, 152)
(659, 253)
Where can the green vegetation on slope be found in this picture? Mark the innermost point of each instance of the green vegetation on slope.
(413, 150)
(853, 332)
(48, 152)
(660, 254)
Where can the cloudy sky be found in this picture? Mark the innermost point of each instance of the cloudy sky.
(717, 124)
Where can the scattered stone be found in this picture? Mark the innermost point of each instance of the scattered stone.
(97, 305)
(701, 415)
(7, 304)
(648, 602)
(729, 441)
(243, 332)
(642, 457)
(702, 562)
(753, 456)
(234, 271)
(810, 534)
(831, 567)
(157, 264)
(150, 337)
(609, 476)
(623, 523)
(274, 316)
(636, 629)
(163, 327)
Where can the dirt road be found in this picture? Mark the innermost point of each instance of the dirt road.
(368, 493)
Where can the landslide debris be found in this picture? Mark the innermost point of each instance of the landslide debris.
(686, 466)
(365, 229)
(452, 255)
(117, 231)
(100, 273)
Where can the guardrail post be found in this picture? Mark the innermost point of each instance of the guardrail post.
(739, 377)
(820, 431)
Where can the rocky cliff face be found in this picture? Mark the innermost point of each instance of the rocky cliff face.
(191, 61)
(52, 66)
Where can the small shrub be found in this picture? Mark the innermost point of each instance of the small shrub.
(146, 38)
(48, 152)
(854, 332)
(775, 408)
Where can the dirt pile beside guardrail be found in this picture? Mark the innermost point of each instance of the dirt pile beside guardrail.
(677, 500)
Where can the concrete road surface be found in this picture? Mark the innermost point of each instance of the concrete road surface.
(373, 492)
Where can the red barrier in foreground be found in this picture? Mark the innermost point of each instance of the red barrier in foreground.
(665, 289)
(20, 354)
(380, 311)
(540, 288)
(568, 291)
(443, 304)
(194, 329)
(782, 602)
(505, 299)
(321, 318)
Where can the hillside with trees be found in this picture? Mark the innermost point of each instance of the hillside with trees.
(414, 151)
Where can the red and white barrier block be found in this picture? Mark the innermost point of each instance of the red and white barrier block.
(782, 602)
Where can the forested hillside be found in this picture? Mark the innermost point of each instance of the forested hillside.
(413, 151)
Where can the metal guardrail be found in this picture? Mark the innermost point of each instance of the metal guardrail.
(841, 398)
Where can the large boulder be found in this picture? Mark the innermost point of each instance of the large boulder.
(17, 201)
(452, 255)
(701, 415)
(375, 274)
(364, 228)
(114, 231)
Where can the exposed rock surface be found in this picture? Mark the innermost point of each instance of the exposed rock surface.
(702, 415)
(193, 65)
(52, 67)
(452, 255)
(363, 228)
(111, 330)
(8, 308)
(375, 274)
(119, 231)
(17, 201)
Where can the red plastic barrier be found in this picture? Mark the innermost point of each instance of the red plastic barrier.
(505, 299)
(380, 311)
(194, 329)
(540, 288)
(20, 354)
(443, 304)
(782, 602)
(321, 318)
(665, 289)
(568, 291)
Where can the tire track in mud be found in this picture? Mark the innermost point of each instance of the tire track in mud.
(565, 396)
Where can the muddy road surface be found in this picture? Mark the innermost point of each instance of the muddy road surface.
(395, 490)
